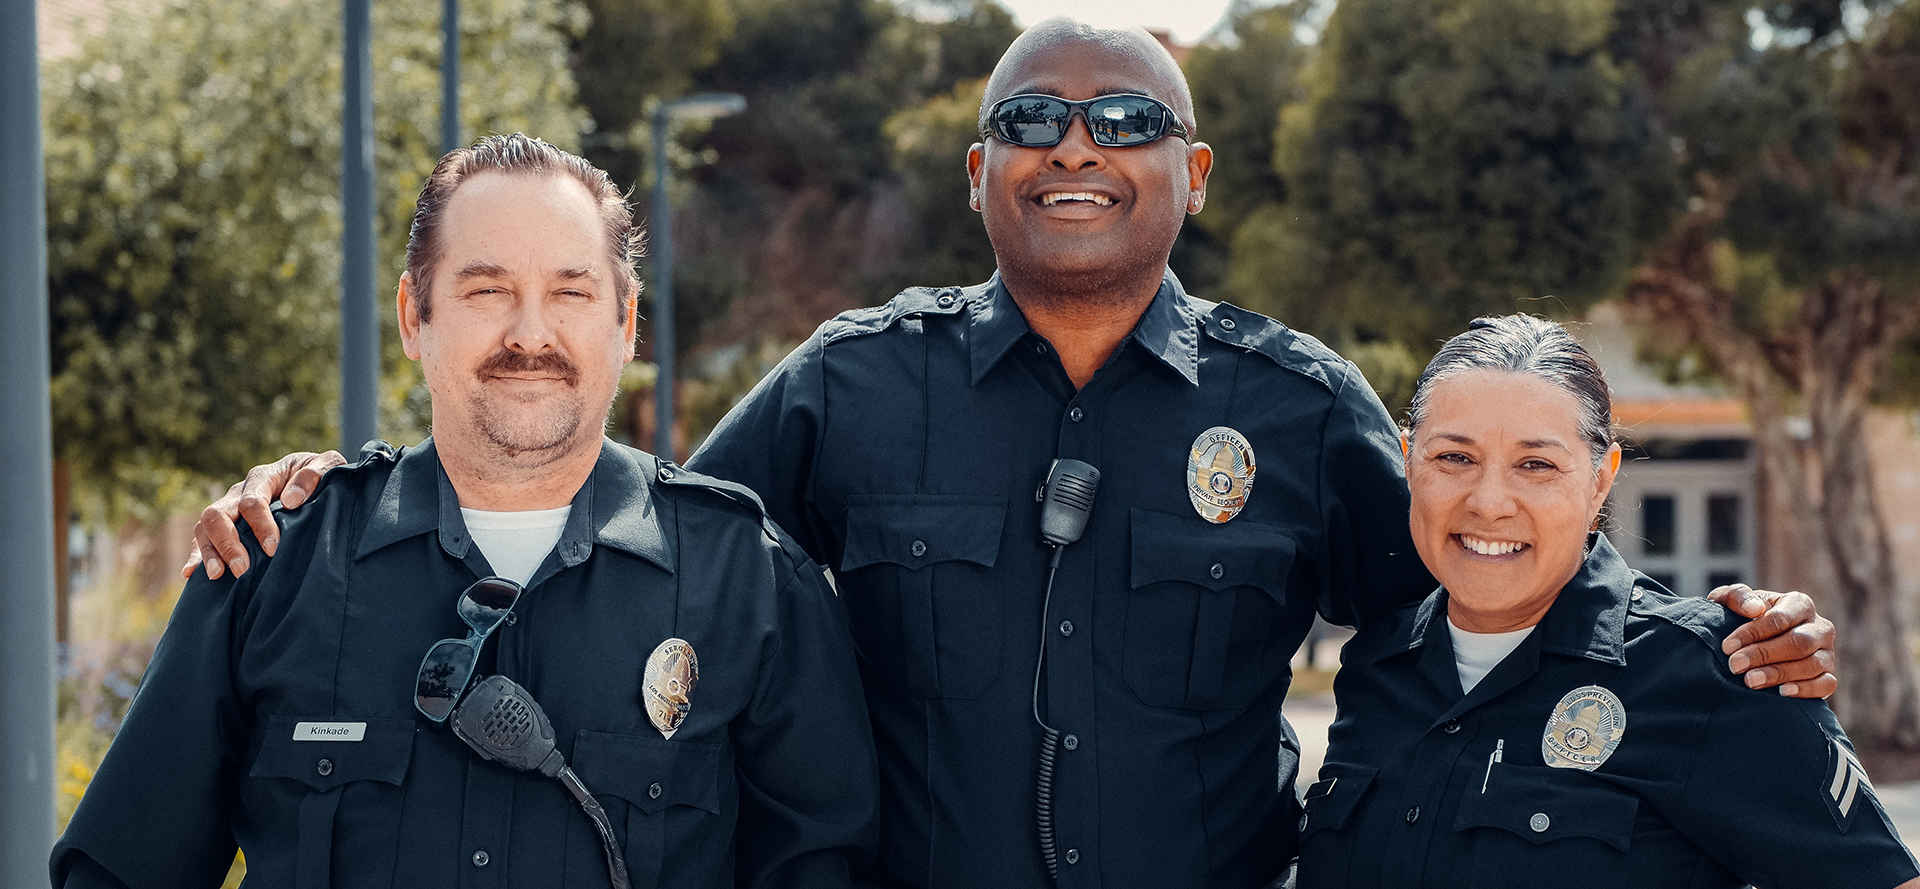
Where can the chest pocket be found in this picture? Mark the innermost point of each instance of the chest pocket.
(1203, 597)
(1326, 846)
(655, 791)
(371, 770)
(916, 573)
(1535, 819)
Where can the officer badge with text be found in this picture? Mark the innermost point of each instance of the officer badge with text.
(667, 692)
(1219, 473)
(1584, 729)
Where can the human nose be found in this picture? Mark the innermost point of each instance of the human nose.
(1492, 496)
(1076, 150)
(531, 330)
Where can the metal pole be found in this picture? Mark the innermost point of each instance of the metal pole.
(26, 487)
(359, 325)
(660, 239)
(449, 75)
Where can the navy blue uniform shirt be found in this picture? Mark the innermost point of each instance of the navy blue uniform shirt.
(1712, 784)
(332, 630)
(903, 447)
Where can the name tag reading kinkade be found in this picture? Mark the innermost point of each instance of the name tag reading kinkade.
(329, 731)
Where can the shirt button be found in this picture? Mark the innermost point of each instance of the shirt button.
(1303, 822)
(919, 547)
(1539, 822)
(666, 475)
(1636, 594)
(325, 767)
(654, 790)
(1453, 725)
(1076, 415)
(480, 858)
(1066, 628)
(1039, 348)
(512, 618)
(1072, 742)
(945, 300)
(1413, 814)
(1073, 856)
(1217, 570)
(1226, 324)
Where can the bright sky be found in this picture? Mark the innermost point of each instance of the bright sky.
(1187, 19)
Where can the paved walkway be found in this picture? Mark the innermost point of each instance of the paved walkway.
(1311, 715)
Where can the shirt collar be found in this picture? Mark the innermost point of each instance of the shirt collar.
(1169, 329)
(612, 508)
(1588, 620)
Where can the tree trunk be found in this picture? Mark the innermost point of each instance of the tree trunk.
(1846, 329)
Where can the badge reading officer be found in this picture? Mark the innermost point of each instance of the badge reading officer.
(1585, 728)
(1219, 473)
(672, 671)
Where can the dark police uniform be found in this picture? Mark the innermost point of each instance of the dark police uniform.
(903, 447)
(1712, 783)
(332, 630)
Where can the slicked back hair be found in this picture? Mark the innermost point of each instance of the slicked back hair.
(1527, 345)
(523, 155)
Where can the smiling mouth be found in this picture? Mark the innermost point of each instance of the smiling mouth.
(1482, 547)
(1067, 197)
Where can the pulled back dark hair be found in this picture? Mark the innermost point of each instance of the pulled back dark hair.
(1528, 345)
(522, 154)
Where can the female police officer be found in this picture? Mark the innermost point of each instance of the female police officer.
(1549, 716)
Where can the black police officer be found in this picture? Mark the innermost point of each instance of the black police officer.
(1550, 716)
(289, 710)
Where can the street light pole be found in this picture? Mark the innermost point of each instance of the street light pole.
(449, 75)
(26, 487)
(359, 324)
(660, 240)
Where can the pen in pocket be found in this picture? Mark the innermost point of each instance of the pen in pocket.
(1498, 748)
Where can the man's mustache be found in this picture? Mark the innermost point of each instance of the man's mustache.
(508, 362)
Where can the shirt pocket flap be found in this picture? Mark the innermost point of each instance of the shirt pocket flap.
(1332, 799)
(1217, 557)
(914, 530)
(381, 752)
(649, 773)
(1543, 804)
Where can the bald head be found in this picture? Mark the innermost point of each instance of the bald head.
(1025, 68)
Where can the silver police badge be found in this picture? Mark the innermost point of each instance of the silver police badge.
(667, 691)
(1584, 729)
(1219, 473)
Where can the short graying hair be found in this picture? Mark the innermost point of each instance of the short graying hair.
(521, 154)
(1527, 345)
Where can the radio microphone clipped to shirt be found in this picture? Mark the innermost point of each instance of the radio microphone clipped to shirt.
(1066, 503)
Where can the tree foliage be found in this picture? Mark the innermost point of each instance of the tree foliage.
(193, 158)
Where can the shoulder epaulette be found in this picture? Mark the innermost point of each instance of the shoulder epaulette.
(908, 303)
(1288, 348)
(1706, 619)
(375, 454)
(675, 476)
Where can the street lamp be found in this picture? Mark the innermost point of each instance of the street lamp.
(699, 105)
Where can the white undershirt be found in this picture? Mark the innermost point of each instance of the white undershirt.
(1476, 654)
(515, 543)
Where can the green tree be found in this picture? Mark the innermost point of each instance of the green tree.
(1795, 272)
(1451, 158)
(193, 212)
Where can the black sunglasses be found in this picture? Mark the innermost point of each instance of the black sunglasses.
(448, 666)
(1035, 120)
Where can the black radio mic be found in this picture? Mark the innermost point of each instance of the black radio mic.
(1066, 502)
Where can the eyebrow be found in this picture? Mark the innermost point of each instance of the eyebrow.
(1530, 443)
(482, 269)
(1054, 91)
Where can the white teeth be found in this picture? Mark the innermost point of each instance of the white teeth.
(1490, 547)
(1055, 198)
